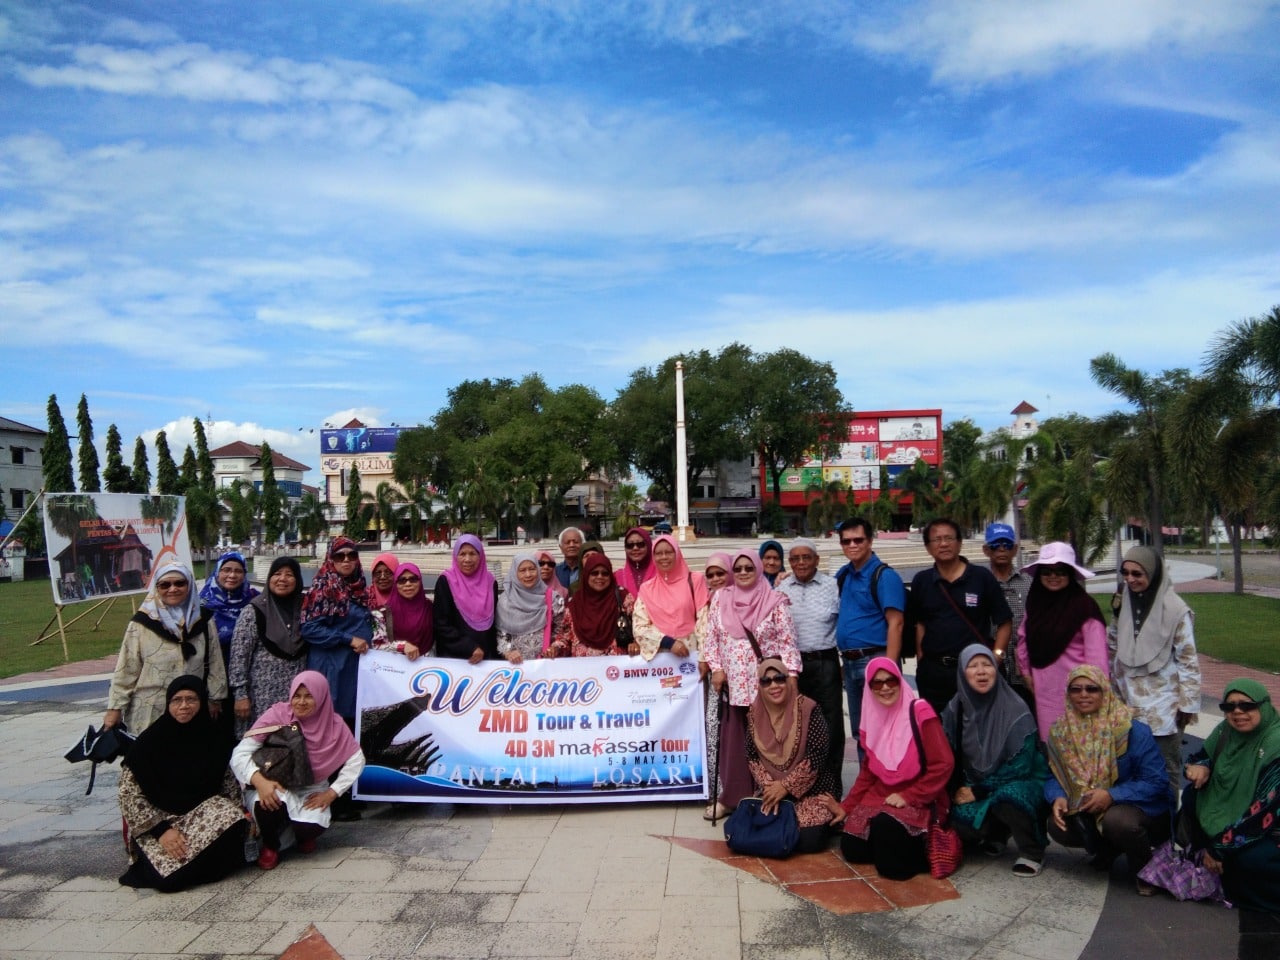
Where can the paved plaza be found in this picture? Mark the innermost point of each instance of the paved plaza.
(610, 881)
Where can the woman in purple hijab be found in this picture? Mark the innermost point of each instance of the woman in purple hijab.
(466, 595)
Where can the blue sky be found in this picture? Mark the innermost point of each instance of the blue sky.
(276, 215)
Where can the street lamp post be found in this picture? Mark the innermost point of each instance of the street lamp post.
(682, 461)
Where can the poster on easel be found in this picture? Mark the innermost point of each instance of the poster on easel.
(102, 545)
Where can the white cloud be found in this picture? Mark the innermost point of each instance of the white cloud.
(978, 41)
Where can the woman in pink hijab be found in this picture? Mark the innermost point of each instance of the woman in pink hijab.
(466, 598)
(670, 612)
(748, 622)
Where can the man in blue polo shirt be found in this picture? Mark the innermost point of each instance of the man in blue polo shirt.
(871, 603)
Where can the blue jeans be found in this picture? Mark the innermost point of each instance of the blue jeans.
(855, 674)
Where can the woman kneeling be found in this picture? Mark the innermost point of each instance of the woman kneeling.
(787, 755)
(332, 752)
(178, 798)
(903, 780)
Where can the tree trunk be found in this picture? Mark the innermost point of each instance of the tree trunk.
(1238, 569)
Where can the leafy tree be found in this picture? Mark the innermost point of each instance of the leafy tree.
(418, 510)
(311, 516)
(116, 475)
(56, 458)
(1136, 479)
(188, 473)
(241, 501)
(1066, 484)
(88, 455)
(140, 476)
(167, 480)
(203, 461)
(626, 504)
(829, 503)
(273, 500)
(64, 514)
(358, 515)
(381, 505)
(30, 531)
(204, 519)
(793, 406)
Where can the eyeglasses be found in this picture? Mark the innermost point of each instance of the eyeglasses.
(772, 679)
(546, 563)
(1132, 574)
(186, 701)
(884, 682)
(343, 557)
(635, 545)
(1000, 545)
(410, 578)
(747, 569)
(944, 539)
(171, 585)
(846, 541)
(382, 573)
(1243, 706)
(1085, 688)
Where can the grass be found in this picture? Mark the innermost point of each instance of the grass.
(1238, 629)
(25, 609)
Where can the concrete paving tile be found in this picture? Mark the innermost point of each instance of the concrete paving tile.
(235, 936)
(626, 895)
(308, 906)
(705, 943)
(531, 827)
(917, 941)
(283, 879)
(366, 871)
(438, 864)
(494, 869)
(232, 905)
(514, 848)
(368, 939)
(334, 883)
(1064, 914)
(287, 935)
(18, 934)
(627, 926)
(700, 912)
(648, 845)
(156, 936)
(325, 858)
(784, 927)
(87, 884)
(1036, 940)
(686, 878)
(567, 877)
(421, 881)
(531, 907)
(20, 881)
(488, 886)
(754, 895)
(613, 950)
(774, 951)
(644, 869)
(459, 940)
(85, 935)
(373, 906)
(97, 905)
(960, 918)
(149, 905)
(535, 940)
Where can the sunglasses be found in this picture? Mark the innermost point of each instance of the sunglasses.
(744, 569)
(1243, 706)
(546, 563)
(772, 679)
(1000, 545)
(409, 579)
(885, 682)
(635, 545)
(1086, 688)
(1055, 571)
(171, 584)
(846, 541)
(343, 557)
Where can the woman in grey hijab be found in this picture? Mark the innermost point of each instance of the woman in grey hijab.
(1154, 665)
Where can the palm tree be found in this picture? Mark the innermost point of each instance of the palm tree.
(419, 510)
(382, 505)
(626, 504)
(829, 504)
(921, 483)
(241, 500)
(1066, 483)
(1250, 350)
(311, 516)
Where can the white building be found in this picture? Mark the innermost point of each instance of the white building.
(21, 447)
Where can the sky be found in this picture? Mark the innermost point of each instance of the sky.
(275, 216)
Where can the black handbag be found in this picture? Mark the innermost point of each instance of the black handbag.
(752, 833)
(101, 746)
(283, 756)
(623, 635)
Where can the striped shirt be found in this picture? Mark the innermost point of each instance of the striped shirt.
(815, 605)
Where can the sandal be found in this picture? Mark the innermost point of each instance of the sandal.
(716, 811)
(1026, 868)
(1145, 889)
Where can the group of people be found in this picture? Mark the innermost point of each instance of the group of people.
(1032, 719)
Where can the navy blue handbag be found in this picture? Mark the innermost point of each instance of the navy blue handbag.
(755, 834)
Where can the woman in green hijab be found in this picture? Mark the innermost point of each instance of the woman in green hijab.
(1232, 808)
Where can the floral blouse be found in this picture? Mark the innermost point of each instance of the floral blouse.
(776, 635)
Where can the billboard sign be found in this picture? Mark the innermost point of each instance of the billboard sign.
(353, 441)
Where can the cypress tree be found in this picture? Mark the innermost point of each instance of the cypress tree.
(167, 481)
(355, 525)
(140, 476)
(88, 456)
(203, 460)
(273, 499)
(115, 475)
(189, 476)
(56, 458)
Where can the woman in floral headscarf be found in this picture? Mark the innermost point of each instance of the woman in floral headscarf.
(225, 594)
(1109, 791)
(466, 598)
(336, 623)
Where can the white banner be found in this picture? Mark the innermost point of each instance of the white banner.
(101, 544)
(572, 730)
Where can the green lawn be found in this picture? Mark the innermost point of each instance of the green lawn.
(1238, 629)
(26, 607)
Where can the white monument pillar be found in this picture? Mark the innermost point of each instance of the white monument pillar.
(682, 531)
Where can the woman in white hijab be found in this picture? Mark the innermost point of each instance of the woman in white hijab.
(1154, 664)
(170, 636)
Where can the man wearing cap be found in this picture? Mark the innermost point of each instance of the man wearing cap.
(953, 604)
(815, 603)
(872, 600)
(1000, 545)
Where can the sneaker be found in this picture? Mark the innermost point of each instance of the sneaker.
(268, 858)
(1026, 868)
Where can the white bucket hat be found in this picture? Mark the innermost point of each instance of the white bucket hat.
(1052, 554)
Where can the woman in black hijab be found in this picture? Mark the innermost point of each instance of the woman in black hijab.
(179, 800)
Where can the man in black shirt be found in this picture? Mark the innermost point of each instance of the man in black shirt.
(953, 604)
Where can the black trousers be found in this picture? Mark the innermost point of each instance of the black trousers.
(1125, 830)
(896, 854)
(1002, 821)
(822, 682)
(936, 680)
